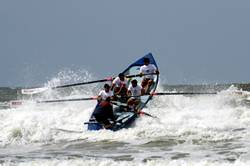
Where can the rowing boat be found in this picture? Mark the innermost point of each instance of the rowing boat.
(125, 119)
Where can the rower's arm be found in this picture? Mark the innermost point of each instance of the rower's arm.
(99, 98)
(129, 93)
(142, 91)
(112, 86)
(141, 73)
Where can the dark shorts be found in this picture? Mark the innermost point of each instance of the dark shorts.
(102, 119)
(146, 81)
(123, 91)
(133, 101)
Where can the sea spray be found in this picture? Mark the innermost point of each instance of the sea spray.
(214, 128)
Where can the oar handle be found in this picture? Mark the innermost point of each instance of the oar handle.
(83, 83)
(140, 75)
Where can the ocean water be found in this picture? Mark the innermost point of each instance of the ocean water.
(202, 130)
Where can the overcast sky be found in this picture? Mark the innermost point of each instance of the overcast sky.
(193, 41)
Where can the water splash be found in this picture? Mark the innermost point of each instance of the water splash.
(188, 126)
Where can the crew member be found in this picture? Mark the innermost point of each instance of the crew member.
(105, 93)
(135, 91)
(119, 85)
(148, 70)
(103, 113)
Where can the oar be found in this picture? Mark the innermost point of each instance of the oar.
(16, 103)
(181, 93)
(124, 104)
(139, 112)
(140, 75)
(83, 83)
(147, 114)
(92, 98)
(173, 93)
(98, 81)
(31, 91)
(65, 100)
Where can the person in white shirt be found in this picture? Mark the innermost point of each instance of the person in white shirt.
(148, 70)
(135, 91)
(119, 85)
(104, 94)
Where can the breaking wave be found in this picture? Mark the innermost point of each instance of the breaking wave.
(214, 128)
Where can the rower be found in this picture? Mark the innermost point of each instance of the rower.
(119, 85)
(135, 91)
(148, 70)
(105, 93)
(103, 113)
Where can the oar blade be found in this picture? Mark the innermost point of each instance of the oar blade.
(32, 91)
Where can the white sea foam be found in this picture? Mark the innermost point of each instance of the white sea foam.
(160, 162)
(192, 121)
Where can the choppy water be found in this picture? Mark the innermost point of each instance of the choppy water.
(191, 130)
